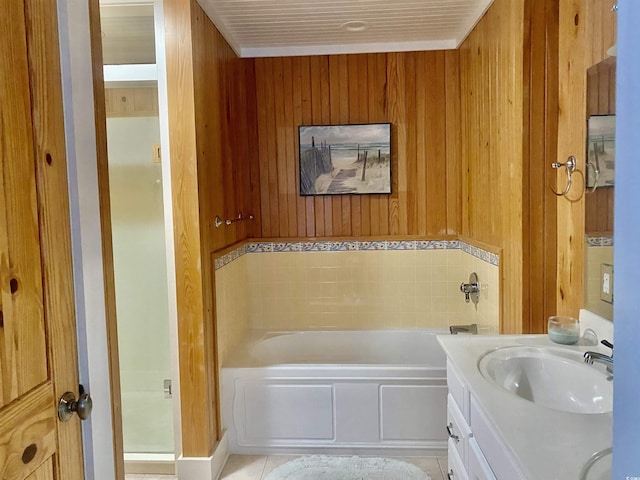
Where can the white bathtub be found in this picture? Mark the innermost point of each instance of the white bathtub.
(351, 392)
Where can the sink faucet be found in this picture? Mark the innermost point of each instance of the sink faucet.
(596, 357)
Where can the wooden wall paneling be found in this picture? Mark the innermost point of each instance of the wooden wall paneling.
(513, 111)
(436, 190)
(302, 116)
(467, 89)
(453, 133)
(603, 91)
(573, 55)
(248, 93)
(540, 50)
(199, 432)
(291, 168)
(314, 115)
(211, 67)
(422, 142)
(209, 89)
(344, 95)
(325, 105)
(334, 105)
(395, 81)
(600, 23)
(363, 107)
(263, 120)
(354, 116)
(280, 148)
(550, 290)
(592, 18)
(246, 124)
(592, 92)
(359, 89)
(612, 91)
(231, 186)
(375, 113)
(492, 110)
(272, 159)
(409, 92)
(379, 111)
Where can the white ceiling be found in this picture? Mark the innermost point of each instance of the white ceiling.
(265, 28)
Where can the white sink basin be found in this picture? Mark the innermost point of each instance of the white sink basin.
(553, 378)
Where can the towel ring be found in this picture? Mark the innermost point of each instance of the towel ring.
(570, 165)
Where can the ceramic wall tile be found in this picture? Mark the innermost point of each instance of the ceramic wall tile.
(403, 284)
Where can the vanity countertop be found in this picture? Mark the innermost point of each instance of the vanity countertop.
(546, 444)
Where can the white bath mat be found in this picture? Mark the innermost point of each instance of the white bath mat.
(321, 467)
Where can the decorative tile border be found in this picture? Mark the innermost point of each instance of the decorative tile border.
(484, 255)
(231, 256)
(351, 246)
(599, 241)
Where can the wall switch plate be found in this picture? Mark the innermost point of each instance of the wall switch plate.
(606, 282)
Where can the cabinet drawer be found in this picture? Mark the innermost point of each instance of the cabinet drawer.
(503, 466)
(456, 469)
(459, 431)
(479, 469)
(458, 389)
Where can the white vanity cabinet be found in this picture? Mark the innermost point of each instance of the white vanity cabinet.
(475, 450)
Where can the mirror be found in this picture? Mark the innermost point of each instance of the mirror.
(600, 150)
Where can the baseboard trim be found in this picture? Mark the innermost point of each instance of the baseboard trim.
(204, 468)
(155, 464)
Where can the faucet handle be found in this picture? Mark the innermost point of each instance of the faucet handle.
(607, 343)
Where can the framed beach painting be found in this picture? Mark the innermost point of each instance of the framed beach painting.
(345, 159)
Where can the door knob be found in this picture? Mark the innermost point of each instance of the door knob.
(68, 405)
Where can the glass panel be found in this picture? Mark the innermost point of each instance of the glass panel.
(135, 181)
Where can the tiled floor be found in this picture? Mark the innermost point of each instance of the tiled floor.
(149, 477)
(257, 467)
(254, 467)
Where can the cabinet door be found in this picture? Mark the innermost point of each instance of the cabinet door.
(456, 469)
(478, 467)
(459, 431)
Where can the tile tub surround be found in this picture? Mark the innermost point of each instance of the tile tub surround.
(232, 305)
(352, 285)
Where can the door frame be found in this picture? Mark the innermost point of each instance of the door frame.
(85, 132)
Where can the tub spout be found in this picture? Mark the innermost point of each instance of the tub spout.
(456, 329)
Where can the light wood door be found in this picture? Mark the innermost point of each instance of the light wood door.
(38, 352)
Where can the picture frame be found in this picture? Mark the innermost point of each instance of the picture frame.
(601, 151)
(350, 159)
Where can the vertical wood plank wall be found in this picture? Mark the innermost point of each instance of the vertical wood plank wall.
(587, 29)
(225, 130)
(493, 147)
(541, 121)
(212, 130)
(197, 414)
(417, 92)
